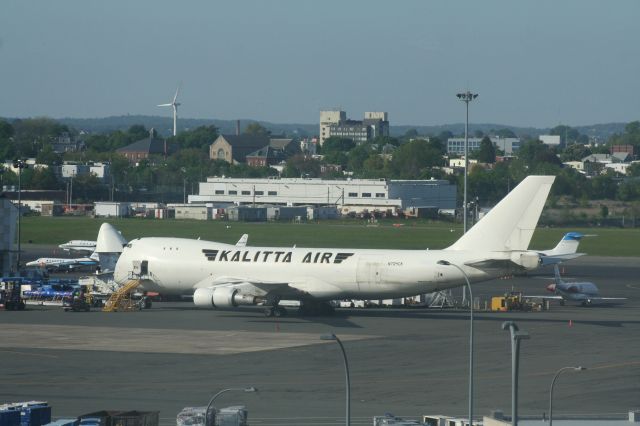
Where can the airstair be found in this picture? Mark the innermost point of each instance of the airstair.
(120, 299)
(442, 299)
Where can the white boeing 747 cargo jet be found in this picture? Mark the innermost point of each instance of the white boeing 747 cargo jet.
(225, 275)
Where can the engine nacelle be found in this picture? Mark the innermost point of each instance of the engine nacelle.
(221, 297)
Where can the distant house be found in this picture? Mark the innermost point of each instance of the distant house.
(65, 143)
(285, 145)
(235, 148)
(266, 156)
(254, 150)
(595, 163)
(629, 149)
(146, 147)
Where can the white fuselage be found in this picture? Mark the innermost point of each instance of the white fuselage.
(179, 266)
(79, 245)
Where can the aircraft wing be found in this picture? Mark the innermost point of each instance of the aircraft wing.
(282, 289)
(608, 298)
(543, 297)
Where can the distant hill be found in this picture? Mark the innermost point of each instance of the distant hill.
(164, 125)
(600, 131)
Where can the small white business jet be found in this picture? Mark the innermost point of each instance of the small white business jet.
(79, 246)
(223, 275)
(59, 264)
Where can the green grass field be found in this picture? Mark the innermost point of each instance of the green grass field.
(412, 235)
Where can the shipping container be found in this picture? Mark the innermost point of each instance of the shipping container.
(37, 415)
(9, 417)
(232, 416)
(136, 418)
(64, 422)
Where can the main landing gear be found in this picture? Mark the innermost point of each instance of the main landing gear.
(308, 308)
(273, 308)
(275, 311)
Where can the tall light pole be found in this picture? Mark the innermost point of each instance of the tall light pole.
(213, 398)
(516, 337)
(184, 184)
(466, 278)
(466, 97)
(553, 382)
(19, 164)
(332, 336)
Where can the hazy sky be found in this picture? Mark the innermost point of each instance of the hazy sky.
(533, 63)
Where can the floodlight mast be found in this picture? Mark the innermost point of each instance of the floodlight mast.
(466, 97)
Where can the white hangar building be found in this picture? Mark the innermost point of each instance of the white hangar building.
(355, 195)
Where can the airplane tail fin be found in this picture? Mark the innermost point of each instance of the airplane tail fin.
(109, 246)
(242, 242)
(510, 224)
(567, 245)
(556, 272)
(109, 240)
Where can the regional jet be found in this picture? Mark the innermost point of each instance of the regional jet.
(584, 292)
(56, 263)
(222, 275)
(566, 249)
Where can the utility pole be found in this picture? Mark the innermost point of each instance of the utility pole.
(19, 164)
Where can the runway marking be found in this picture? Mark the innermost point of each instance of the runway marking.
(153, 340)
(617, 365)
(633, 287)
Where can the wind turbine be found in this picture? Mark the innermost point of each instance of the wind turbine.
(175, 106)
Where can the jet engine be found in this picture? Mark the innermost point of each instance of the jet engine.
(221, 297)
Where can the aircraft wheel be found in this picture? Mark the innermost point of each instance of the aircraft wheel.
(268, 312)
(562, 303)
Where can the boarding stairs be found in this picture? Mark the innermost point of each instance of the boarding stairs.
(442, 299)
(120, 299)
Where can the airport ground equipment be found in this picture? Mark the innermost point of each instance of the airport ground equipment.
(120, 418)
(390, 419)
(121, 299)
(229, 416)
(29, 413)
(76, 304)
(514, 301)
(11, 294)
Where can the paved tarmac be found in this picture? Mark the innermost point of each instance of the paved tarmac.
(405, 361)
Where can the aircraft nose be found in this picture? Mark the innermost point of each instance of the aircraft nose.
(551, 287)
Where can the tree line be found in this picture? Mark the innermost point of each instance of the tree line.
(408, 157)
